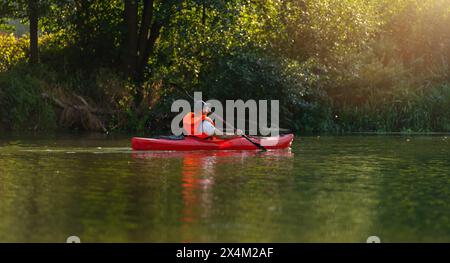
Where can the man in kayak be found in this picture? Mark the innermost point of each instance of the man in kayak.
(198, 124)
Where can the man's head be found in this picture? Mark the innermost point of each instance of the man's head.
(200, 105)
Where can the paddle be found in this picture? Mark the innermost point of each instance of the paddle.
(262, 148)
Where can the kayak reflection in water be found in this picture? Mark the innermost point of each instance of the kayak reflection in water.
(199, 176)
(198, 124)
(199, 173)
(197, 183)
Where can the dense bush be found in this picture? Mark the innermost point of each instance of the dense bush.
(21, 104)
(12, 50)
(369, 95)
(407, 112)
(261, 76)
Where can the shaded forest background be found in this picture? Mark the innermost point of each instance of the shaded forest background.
(335, 65)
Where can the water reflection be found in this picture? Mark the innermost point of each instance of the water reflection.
(335, 189)
(199, 169)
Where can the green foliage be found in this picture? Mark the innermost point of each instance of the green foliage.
(335, 65)
(424, 41)
(86, 35)
(327, 30)
(12, 50)
(256, 75)
(21, 104)
(371, 96)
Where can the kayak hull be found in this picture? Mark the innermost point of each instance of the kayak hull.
(195, 144)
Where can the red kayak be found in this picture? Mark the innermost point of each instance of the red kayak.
(194, 144)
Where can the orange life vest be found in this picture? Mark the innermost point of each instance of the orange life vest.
(192, 122)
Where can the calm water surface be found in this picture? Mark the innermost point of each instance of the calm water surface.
(325, 189)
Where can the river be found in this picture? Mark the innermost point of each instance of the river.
(324, 189)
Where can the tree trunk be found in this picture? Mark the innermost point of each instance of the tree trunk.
(33, 17)
(141, 39)
(147, 16)
(148, 48)
(131, 10)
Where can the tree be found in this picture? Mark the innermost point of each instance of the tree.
(28, 10)
(144, 21)
(33, 17)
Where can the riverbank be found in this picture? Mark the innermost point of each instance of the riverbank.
(38, 99)
(386, 71)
